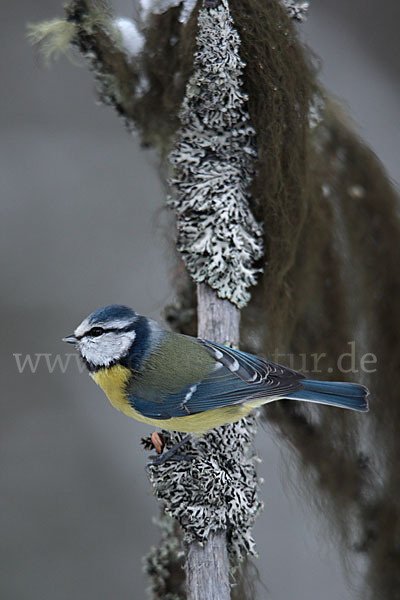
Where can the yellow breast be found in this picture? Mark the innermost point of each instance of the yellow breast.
(113, 381)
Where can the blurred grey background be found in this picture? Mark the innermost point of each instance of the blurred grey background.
(82, 226)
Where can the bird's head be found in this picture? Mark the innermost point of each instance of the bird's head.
(105, 336)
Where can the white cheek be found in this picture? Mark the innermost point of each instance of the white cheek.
(106, 349)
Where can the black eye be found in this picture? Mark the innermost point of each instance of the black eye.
(95, 331)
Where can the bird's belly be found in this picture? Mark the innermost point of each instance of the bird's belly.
(113, 381)
(204, 421)
(208, 419)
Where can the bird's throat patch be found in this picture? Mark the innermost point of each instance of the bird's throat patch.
(113, 381)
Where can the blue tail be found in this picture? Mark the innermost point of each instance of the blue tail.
(346, 395)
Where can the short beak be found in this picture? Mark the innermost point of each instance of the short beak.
(70, 339)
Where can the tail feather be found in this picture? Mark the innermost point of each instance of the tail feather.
(346, 395)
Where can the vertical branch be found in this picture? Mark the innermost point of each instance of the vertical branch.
(218, 237)
(218, 320)
(207, 565)
(207, 569)
(219, 240)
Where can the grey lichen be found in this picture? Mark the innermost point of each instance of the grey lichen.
(297, 10)
(217, 490)
(213, 157)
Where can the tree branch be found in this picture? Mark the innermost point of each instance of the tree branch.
(218, 320)
(207, 569)
(207, 565)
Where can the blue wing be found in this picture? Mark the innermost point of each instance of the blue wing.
(234, 377)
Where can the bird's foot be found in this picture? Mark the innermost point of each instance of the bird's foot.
(171, 454)
(155, 441)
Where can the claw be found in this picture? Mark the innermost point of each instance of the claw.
(153, 441)
(157, 442)
(171, 453)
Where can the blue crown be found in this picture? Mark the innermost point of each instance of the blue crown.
(114, 311)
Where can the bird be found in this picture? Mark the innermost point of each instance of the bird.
(186, 384)
(192, 385)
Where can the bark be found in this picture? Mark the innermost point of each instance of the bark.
(207, 565)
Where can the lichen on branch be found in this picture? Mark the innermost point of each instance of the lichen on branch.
(218, 237)
(297, 9)
(217, 490)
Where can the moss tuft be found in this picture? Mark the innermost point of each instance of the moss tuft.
(54, 38)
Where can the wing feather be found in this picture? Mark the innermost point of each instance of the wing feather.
(236, 377)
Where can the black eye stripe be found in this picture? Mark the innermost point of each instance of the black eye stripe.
(101, 330)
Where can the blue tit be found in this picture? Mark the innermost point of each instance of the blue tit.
(185, 384)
